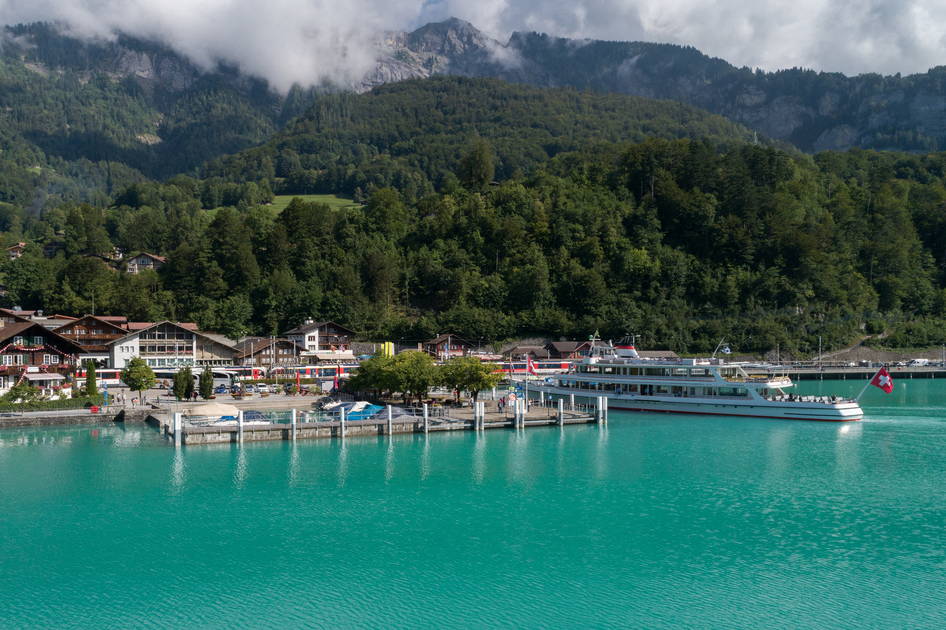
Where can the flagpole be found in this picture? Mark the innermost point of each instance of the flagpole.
(869, 381)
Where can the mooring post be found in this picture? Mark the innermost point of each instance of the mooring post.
(295, 420)
(390, 421)
(426, 419)
(598, 409)
(541, 398)
(482, 406)
(342, 416)
(522, 413)
(561, 412)
(177, 428)
(240, 424)
(494, 393)
(571, 402)
(604, 399)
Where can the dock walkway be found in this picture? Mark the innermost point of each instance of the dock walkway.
(177, 429)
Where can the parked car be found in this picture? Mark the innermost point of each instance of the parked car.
(262, 388)
(249, 389)
(234, 389)
(220, 389)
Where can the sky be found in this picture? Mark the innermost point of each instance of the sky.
(307, 41)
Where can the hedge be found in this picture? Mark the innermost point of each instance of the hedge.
(52, 405)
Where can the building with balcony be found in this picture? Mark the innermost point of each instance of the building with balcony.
(447, 346)
(323, 341)
(143, 261)
(31, 353)
(169, 344)
(268, 352)
(93, 334)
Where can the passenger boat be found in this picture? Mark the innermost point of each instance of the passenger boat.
(689, 386)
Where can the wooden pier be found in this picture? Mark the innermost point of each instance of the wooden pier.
(179, 431)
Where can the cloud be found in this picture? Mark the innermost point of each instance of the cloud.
(850, 36)
(310, 41)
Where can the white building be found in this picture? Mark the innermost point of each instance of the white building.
(323, 340)
(167, 344)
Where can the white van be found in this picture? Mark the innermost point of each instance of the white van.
(919, 362)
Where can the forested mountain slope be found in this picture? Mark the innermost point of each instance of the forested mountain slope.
(668, 238)
(812, 110)
(80, 119)
(411, 134)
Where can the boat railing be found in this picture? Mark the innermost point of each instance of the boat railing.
(809, 399)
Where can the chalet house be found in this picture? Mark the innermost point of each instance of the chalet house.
(323, 341)
(568, 349)
(447, 346)
(31, 353)
(267, 352)
(93, 334)
(168, 344)
(15, 251)
(143, 261)
(521, 352)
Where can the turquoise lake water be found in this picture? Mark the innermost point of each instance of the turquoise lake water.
(654, 521)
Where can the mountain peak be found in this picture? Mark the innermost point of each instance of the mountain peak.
(451, 37)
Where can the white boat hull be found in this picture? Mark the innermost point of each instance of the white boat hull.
(846, 411)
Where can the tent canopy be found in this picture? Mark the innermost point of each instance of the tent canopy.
(213, 409)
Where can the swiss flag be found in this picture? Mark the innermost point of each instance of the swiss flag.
(530, 366)
(883, 380)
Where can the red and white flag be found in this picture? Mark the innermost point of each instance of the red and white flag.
(336, 378)
(883, 380)
(530, 366)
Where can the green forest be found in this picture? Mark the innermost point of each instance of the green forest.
(496, 211)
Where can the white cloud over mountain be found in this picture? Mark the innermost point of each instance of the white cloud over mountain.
(308, 41)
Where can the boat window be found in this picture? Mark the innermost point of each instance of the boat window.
(663, 389)
(680, 372)
(591, 369)
(699, 372)
(607, 370)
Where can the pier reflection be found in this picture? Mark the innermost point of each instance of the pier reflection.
(425, 459)
(479, 457)
(178, 471)
(240, 469)
(601, 455)
(294, 463)
(389, 459)
(342, 471)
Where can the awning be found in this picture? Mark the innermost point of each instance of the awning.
(39, 376)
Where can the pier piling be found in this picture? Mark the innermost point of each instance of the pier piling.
(178, 422)
(426, 419)
(571, 402)
(561, 412)
(342, 417)
(390, 421)
(240, 425)
(294, 423)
